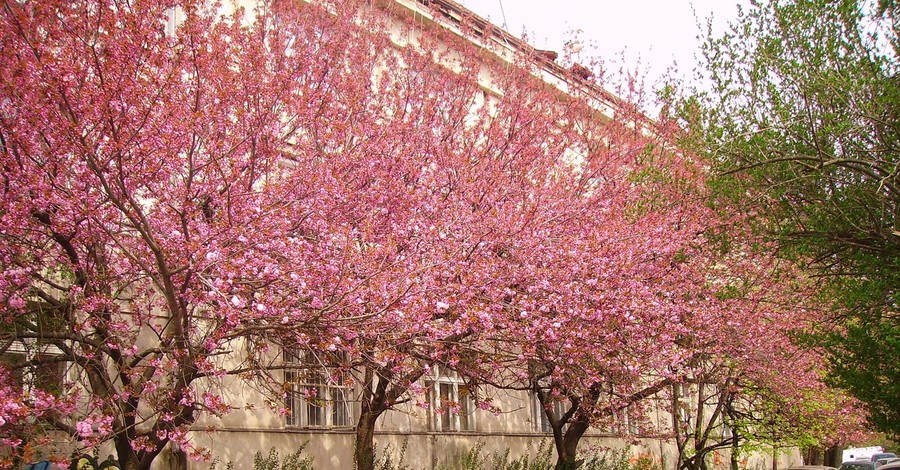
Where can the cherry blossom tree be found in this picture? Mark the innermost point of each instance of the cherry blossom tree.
(159, 210)
(594, 301)
(451, 208)
(749, 382)
(737, 406)
(449, 212)
(187, 190)
(177, 194)
(412, 165)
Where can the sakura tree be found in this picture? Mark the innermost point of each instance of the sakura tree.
(155, 219)
(186, 191)
(794, 407)
(748, 381)
(736, 406)
(595, 299)
(182, 188)
(444, 187)
(447, 183)
(407, 187)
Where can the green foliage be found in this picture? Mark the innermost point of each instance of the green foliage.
(386, 463)
(471, 460)
(865, 364)
(474, 459)
(621, 459)
(91, 462)
(543, 459)
(293, 461)
(802, 125)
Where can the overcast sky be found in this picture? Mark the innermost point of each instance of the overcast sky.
(656, 32)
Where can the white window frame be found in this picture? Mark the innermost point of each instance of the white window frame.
(315, 396)
(451, 407)
(30, 350)
(685, 403)
(540, 420)
(625, 424)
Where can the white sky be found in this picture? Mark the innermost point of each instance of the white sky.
(652, 34)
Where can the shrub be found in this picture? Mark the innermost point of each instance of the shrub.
(293, 461)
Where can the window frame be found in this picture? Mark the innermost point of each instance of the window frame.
(540, 421)
(684, 404)
(626, 422)
(48, 369)
(331, 406)
(453, 393)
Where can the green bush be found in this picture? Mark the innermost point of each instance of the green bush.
(386, 463)
(543, 459)
(474, 460)
(471, 460)
(293, 461)
(618, 459)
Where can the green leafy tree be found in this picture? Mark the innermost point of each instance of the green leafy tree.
(802, 121)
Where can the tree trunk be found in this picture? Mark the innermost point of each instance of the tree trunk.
(381, 390)
(833, 456)
(172, 458)
(695, 462)
(372, 404)
(364, 451)
(681, 438)
(735, 450)
(567, 444)
(812, 456)
(700, 426)
(128, 459)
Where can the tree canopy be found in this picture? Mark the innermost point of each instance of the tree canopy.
(188, 192)
(801, 124)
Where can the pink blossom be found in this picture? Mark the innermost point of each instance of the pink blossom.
(84, 428)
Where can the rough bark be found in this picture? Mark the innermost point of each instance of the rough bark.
(382, 390)
(567, 444)
(371, 406)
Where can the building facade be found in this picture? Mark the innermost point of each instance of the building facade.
(313, 402)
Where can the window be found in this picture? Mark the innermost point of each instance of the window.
(684, 396)
(541, 422)
(316, 396)
(46, 369)
(174, 17)
(627, 422)
(450, 402)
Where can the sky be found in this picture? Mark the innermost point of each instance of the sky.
(650, 35)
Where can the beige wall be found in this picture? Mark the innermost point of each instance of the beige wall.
(254, 426)
(427, 450)
(238, 436)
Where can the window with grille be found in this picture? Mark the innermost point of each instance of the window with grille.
(684, 396)
(450, 402)
(316, 394)
(35, 367)
(627, 422)
(539, 413)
